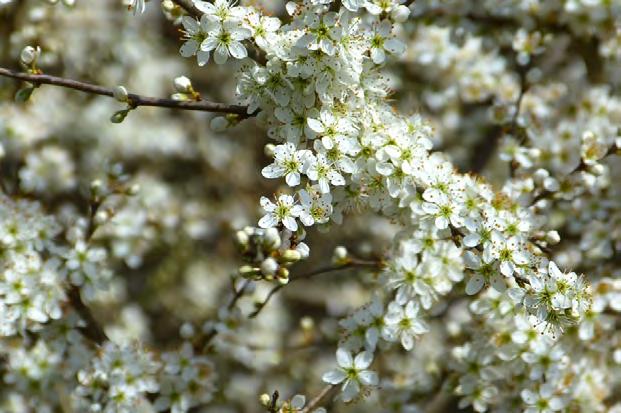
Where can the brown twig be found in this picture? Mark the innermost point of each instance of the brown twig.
(134, 100)
(323, 270)
(92, 330)
(189, 7)
(317, 399)
(204, 340)
(581, 167)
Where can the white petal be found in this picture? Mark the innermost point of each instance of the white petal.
(238, 51)
(343, 358)
(290, 223)
(334, 376)
(268, 221)
(474, 284)
(189, 48)
(363, 360)
(368, 378)
(221, 54)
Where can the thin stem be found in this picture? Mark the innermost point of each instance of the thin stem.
(317, 399)
(581, 167)
(189, 7)
(134, 100)
(92, 330)
(323, 270)
(204, 340)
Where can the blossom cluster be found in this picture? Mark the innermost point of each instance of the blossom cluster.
(493, 291)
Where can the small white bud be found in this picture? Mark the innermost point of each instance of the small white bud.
(120, 93)
(242, 238)
(340, 255)
(269, 266)
(29, 54)
(265, 399)
(598, 169)
(101, 217)
(551, 184)
(69, 3)
(307, 323)
(248, 271)
(272, 239)
(183, 84)
(96, 185)
(540, 174)
(2, 151)
(187, 330)
(219, 124)
(553, 237)
(268, 150)
(400, 13)
(291, 256)
(133, 190)
(168, 5)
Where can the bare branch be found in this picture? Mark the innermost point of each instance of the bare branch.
(92, 330)
(203, 340)
(351, 264)
(134, 100)
(189, 7)
(317, 399)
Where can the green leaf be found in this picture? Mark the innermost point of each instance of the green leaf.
(24, 94)
(119, 116)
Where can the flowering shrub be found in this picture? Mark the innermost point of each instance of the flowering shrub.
(434, 225)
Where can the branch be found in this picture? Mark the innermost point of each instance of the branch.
(351, 264)
(189, 7)
(317, 399)
(203, 340)
(134, 100)
(581, 167)
(92, 330)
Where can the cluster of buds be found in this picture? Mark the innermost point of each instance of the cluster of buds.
(184, 89)
(268, 253)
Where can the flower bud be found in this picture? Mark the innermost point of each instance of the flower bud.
(291, 256)
(265, 399)
(96, 186)
(120, 93)
(271, 239)
(268, 150)
(269, 266)
(187, 330)
(551, 184)
(219, 124)
(2, 151)
(242, 239)
(340, 256)
(183, 84)
(553, 237)
(29, 55)
(307, 323)
(248, 271)
(168, 5)
(400, 13)
(101, 217)
(133, 189)
(283, 275)
(597, 169)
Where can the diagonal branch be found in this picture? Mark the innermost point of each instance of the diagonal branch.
(189, 7)
(134, 100)
(352, 263)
